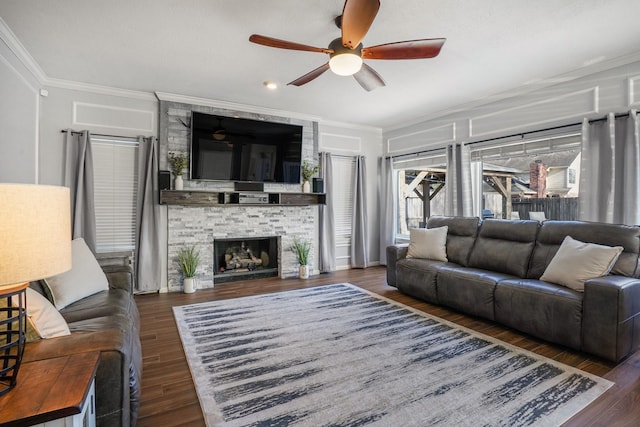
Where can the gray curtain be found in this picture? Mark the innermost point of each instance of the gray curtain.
(458, 187)
(359, 221)
(327, 223)
(387, 207)
(79, 178)
(148, 245)
(610, 170)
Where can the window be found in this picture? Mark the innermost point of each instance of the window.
(419, 194)
(343, 177)
(539, 173)
(115, 163)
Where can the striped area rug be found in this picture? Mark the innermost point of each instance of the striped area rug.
(338, 355)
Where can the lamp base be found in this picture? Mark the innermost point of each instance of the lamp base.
(13, 330)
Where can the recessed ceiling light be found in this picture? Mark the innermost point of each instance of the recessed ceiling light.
(271, 85)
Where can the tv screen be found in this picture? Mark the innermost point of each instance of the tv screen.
(233, 149)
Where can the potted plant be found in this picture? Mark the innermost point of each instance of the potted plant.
(308, 172)
(178, 163)
(189, 258)
(302, 250)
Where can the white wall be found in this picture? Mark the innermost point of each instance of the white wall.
(131, 114)
(615, 89)
(19, 115)
(340, 138)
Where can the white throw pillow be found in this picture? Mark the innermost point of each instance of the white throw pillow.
(45, 319)
(84, 279)
(428, 243)
(577, 261)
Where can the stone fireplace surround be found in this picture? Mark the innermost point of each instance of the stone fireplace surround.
(199, 226)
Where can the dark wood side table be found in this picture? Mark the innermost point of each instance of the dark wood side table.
(58, 391)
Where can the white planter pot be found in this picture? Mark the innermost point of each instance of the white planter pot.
(306, 187)
(189, 285)
(304, 272)
(178, 184)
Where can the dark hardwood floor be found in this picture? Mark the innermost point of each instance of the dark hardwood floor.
(169, 397)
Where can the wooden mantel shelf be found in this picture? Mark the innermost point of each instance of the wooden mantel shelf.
(239, 198)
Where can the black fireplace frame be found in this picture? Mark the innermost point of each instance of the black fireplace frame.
(270, 244)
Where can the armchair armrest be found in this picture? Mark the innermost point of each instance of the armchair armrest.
(611, 316)
(394, 254)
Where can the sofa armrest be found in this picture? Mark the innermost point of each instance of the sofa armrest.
(611, 316)
(394, 254)
(118, 267)
(119, 277)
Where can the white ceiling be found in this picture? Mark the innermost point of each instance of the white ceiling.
(200, 48)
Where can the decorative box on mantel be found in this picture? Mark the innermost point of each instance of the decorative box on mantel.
(247, 198)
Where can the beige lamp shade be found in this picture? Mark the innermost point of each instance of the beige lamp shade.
(35, 232)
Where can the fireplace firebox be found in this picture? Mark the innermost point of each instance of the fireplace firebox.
(245, 258)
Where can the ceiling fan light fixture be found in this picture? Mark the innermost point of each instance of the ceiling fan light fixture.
(345, 64)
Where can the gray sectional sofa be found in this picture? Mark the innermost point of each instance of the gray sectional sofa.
(494, 268)
(106, 322)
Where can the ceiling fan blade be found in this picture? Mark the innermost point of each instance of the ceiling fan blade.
(410, 49)
(283, 44)
(368, 78)
(310, 75)
(357, 17)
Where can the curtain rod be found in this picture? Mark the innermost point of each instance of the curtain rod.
(74, 132)
(342, 156)
(520, 134)
(417, 153)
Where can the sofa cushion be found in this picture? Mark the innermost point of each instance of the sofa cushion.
(417, 277)
(85, 277)
(428, 243)
(576, 261)
(504, 246)
(461, 234)
(104, 303)
(541, 309)
(468, 289)
(552, 233)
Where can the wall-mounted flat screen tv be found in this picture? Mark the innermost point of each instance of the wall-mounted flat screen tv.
(234, 149)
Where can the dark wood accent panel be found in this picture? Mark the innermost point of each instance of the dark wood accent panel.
(191, 198)
(169, 397)
(214, 198)
(302, 199)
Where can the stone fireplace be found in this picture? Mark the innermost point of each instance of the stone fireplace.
(245, 258)
(201, 227)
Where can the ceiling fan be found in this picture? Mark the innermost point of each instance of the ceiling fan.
(346, 53)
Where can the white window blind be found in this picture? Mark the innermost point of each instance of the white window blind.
(343, 173)
(115, 186)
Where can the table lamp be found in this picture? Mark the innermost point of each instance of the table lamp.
(35, 233)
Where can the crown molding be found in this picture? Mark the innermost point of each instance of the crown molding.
(353, 126)
(103, 90)
(34, 69)
(21, 52)
(206, 102)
